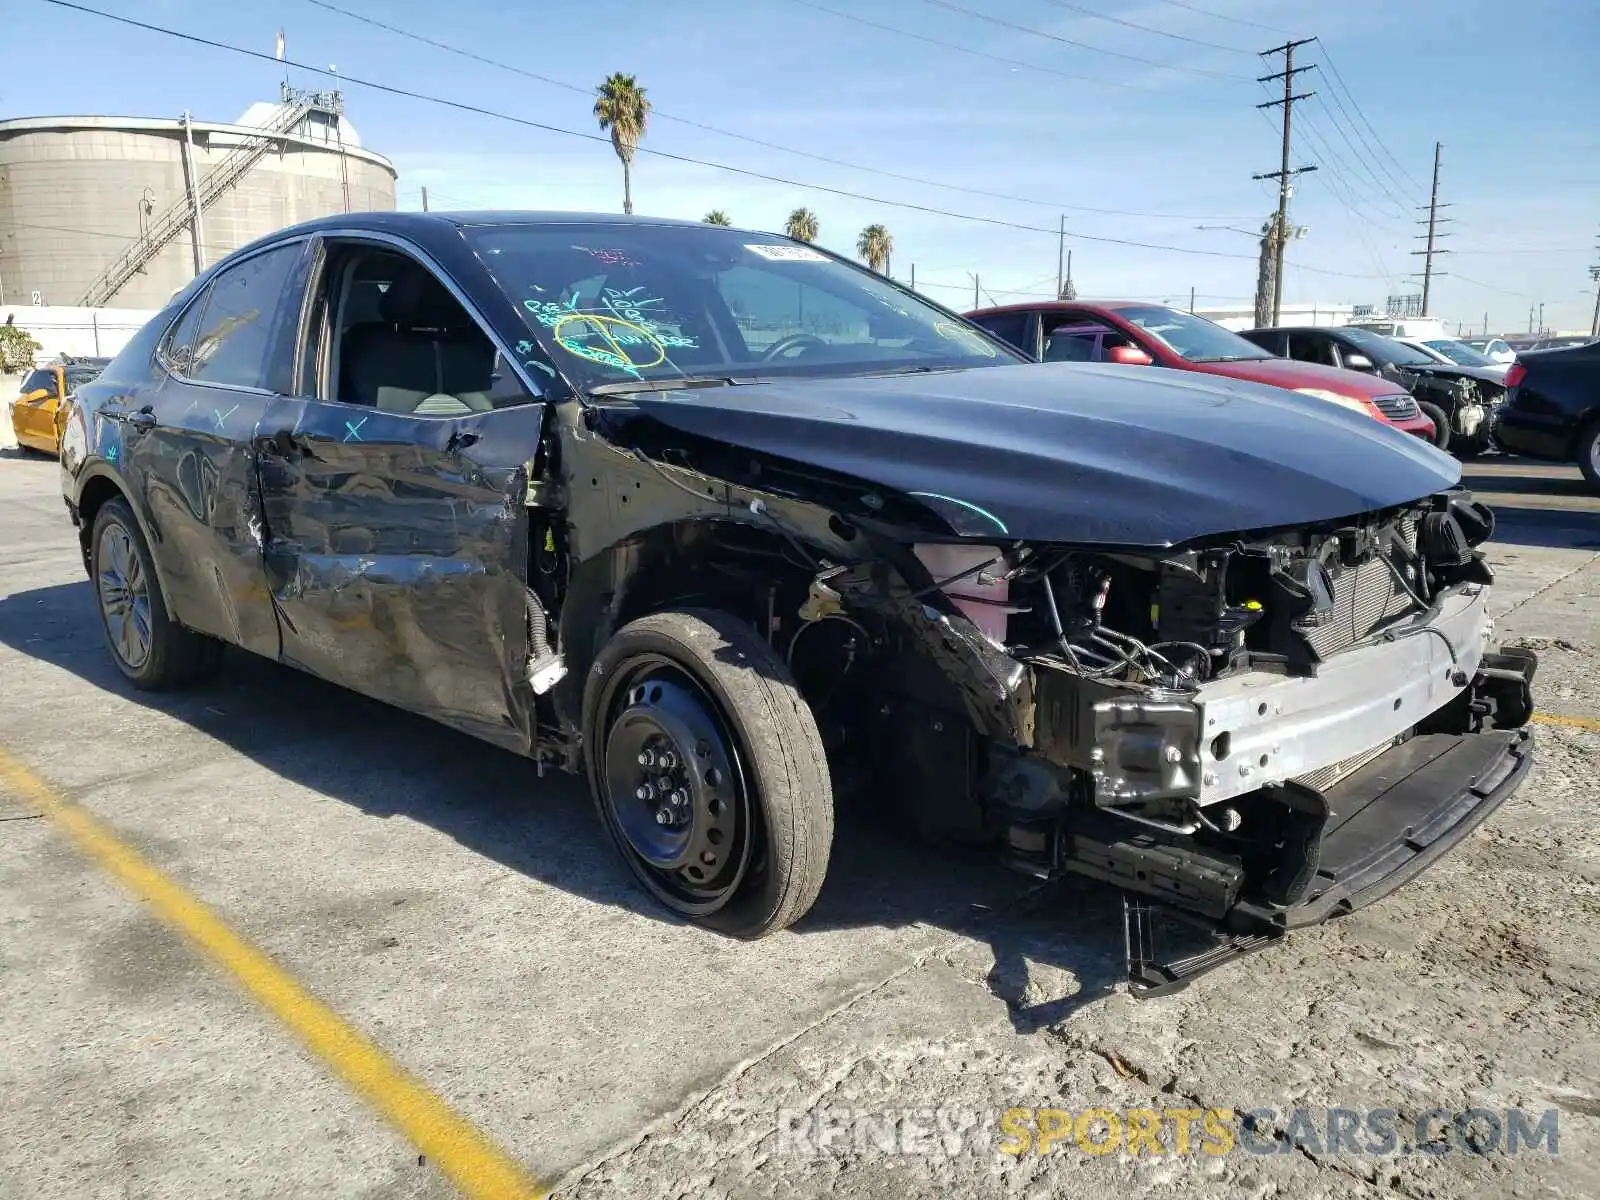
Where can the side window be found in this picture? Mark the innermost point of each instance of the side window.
(178, 348)
(1076, 341)
(40, 380)
(1015, 328)
(237, 330)
(399, 341)
(1311, 348)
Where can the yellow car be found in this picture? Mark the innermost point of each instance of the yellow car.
(36, 415)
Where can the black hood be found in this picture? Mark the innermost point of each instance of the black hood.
(1450, 371)
(1131, 456)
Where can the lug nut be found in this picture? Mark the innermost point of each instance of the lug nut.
(645, 792)
(663, 817)
(680, 799)
(666, 760)
(647, 758)
(1172, 754)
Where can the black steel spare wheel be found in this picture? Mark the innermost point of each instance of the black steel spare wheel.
(708, 771)
(674, 786)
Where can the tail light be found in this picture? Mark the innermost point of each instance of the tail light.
(1514, 374)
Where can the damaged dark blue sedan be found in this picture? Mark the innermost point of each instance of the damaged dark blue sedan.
(732, 526)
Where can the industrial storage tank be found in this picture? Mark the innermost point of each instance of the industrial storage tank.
(100, 210)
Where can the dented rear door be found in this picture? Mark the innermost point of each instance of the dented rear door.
(396, 555)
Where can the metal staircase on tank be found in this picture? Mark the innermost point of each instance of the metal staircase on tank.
(175, 219)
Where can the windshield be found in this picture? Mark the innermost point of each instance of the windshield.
(1189, 336)
(1386, 351)
(613, 303)
(1459, 352)
(82, 373)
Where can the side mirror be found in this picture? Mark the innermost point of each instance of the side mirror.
(1357, 362)
(1129, 356)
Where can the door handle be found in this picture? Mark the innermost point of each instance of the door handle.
(144, 419)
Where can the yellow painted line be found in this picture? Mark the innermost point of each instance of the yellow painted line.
(467, 1158)
(1591, 723)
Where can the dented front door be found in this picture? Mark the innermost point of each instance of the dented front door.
(396, 555)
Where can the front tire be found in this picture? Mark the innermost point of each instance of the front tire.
(708, 771)
(148, 646)
(1589, 454)
(1441, 423)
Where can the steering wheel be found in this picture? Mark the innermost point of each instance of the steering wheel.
(785, 344)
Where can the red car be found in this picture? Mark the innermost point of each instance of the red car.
(1138, 334)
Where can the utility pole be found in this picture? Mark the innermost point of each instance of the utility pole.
(1266, 274)
(1283, 174)
(1530, 318)
(1061, 250)
(1068, 292)
(424, 199)
(913, 277)
(1191, 299)
(192, 182)
(1594, 274)
(1432, 223)
(976, 303)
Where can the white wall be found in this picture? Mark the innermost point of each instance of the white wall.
(65, 329)
(1290, 314)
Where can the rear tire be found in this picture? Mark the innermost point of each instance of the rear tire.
(708, 771)
(148, 646)
(1441, 423)
(1589, 454)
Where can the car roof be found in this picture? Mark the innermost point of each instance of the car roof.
(401, 222)
(1058, 305)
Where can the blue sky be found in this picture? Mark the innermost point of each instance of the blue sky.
(1512, 93)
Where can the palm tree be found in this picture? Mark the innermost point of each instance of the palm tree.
(716, 217)
(801, 225)
(874, 246)
(623, 111)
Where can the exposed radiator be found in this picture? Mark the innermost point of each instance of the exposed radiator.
(1324, 778)
(1365, 597)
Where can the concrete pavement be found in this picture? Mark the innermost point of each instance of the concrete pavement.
(467, 917)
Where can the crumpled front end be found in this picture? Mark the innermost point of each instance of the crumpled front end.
(1260, 732)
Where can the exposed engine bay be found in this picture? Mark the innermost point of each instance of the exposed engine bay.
(1470, 405)
(1257, 729)
(1171, 724)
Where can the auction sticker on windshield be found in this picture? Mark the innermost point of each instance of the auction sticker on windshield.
(786, 253)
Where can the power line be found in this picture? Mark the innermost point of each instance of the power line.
(1366, 142)
(1089, 12)
(1378, 183)
(1010, 62)
(1339, 80)
(1149, 62)
(1222, 16)
(662, 154)
(1383, 211)
(754, 141)
(1358, 222)
(478, 110)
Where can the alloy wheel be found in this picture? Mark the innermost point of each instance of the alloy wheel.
(124, 592)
